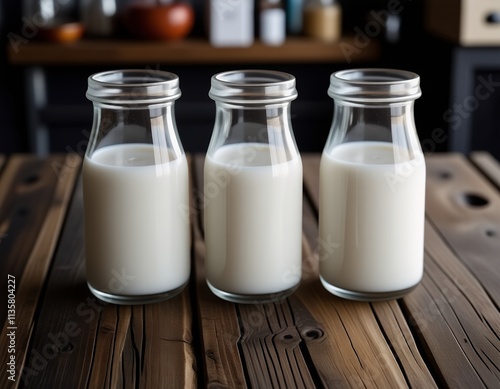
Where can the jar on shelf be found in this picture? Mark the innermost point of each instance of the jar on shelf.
(372, 187)
(253, 189)
(42, 13)
(323, 20)
(99, 17)
(272, 22)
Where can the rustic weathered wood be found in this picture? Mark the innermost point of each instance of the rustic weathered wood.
(26, 192)
(465, 208)
(103, 345)
(445, 332)
(189, 51)
(401, 340)
(455, 319)
(488, 165)
(31, 221)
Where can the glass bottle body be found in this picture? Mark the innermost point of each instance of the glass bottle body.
(135, 184)
(253, 190)
(372, 187)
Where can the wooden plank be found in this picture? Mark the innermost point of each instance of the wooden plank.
(488, 165)
(104, 345)
(189, 51)
(34, 194)
(455, 319)
(465, 208)
(26, 192)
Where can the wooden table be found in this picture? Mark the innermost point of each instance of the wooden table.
(445, 333)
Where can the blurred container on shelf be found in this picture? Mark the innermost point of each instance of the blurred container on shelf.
(52, 20)
(99, 17)
(323, 20)
(62, 32)
(159, 20)
(272, 22)
(294, 16)
(231, 23)
(49, 12)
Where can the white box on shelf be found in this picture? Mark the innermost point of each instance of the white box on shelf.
(231, 23)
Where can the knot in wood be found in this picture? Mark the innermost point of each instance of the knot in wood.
(312, 333)
(67, 348)
(288, 336)
(31, 179)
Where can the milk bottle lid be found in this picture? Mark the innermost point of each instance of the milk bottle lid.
(253, 87)
(374, 86)
(133, 86)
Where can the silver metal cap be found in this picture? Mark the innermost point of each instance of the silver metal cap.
(253, 87)
(133, 87)
(374, 85)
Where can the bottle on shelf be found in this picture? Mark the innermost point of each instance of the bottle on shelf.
(272, 22)
(323, 20)
(99, 16)
(294, 16)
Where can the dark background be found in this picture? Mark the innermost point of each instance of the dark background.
(410, 47)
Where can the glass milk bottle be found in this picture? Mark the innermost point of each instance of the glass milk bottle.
(372, 187)
(253, 189)
(135, 186)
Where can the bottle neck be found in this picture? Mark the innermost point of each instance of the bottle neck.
(393, 123)
(117, 124)
(268, 125)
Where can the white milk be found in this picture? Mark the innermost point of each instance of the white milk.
(371, 218)
(253, 219)
(137, 234)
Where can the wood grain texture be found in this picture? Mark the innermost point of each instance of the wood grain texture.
(42, 190)
(80, 342)
(465, 208)
(445, 333)
(488, 165)
(189, 51)
(455, 310)
(455, 319)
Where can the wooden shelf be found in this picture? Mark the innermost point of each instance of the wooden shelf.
(192, 51)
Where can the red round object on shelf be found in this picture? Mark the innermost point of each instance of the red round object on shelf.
(170, 22)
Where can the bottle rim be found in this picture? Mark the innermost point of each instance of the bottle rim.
(133, 86)
(251, 86)
(374, 85)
